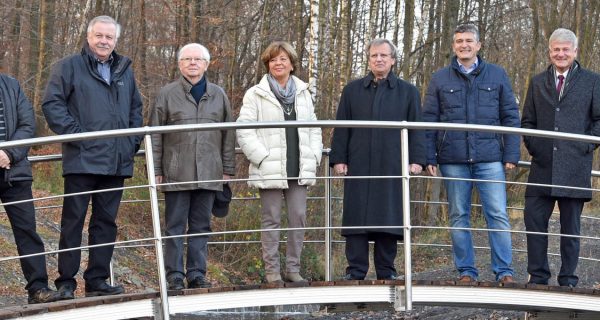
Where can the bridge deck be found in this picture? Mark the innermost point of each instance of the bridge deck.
(434, 293)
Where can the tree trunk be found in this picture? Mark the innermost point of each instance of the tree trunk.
(83, 24)
(346, 45)
(313, 46)
(16, 45)
(262, 35)
(409, 17)
(41, 126)
(449, 24)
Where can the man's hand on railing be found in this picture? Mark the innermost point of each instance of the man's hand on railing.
(159, 179)
(415, 168)
(340, 169)
(4, 160)
(509, 166)
(432, 170)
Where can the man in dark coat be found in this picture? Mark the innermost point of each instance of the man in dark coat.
(17, 122)
(564, 98)
(375, 152)
(93, 91)
(472, 91)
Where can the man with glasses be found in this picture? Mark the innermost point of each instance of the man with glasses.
(189, 162)
(563, 98)
(473, 91)
(369, 203)
(94, 90)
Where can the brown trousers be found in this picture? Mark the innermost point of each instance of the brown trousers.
(271, 202)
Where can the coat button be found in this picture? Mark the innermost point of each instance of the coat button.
(555, 148)
(557, 109)
(489, 89)
(451, 90)
(555, 128)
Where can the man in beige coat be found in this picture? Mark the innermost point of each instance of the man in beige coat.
(186, 160)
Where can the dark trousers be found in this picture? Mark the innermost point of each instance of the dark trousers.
(102, 227)
(22, 222)
(537, 215)
(192, 209)
(384, 253)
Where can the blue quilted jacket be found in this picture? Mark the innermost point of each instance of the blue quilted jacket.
(482, 97)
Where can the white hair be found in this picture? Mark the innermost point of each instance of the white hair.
(205, 53)
(104, 19)
(563, 35)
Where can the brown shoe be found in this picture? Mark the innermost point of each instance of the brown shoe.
(273, 278)
(294, 277)
(507, 279)
(466, 279)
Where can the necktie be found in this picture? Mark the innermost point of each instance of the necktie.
(561, 79)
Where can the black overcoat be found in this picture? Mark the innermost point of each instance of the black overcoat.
(562, 162)
(375, 152)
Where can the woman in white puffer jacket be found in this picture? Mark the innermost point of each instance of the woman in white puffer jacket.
(282, 160)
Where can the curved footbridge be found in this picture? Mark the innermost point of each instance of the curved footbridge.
(539, 300)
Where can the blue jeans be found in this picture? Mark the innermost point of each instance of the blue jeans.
(493, 201)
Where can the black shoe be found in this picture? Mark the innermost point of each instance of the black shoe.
(199, 282)
(349, 277)
(391, 277)
(43, 295)
(176, 284)
(103, 289)
(66, 292)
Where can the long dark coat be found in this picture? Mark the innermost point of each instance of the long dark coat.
(375, 152)
(562, 162)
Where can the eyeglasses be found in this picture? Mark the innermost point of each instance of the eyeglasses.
(382, 55)
(188, 59)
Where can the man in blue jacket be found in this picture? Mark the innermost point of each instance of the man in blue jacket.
(472, 91)
(92, 91)
(17, 122)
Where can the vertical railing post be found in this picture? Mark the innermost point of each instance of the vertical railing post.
(162, 279)
(328, 264)
(111, 278)
(406, 216)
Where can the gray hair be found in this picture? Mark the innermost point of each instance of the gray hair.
(205, 53)
(379, 41)
(469, 27)
(563, 35)
(104, 19)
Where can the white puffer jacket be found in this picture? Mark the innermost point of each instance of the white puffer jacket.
(266, 147)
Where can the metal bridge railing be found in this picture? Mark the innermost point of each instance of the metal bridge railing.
(158, 238)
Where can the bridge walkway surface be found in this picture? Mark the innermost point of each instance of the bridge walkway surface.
(540, 301)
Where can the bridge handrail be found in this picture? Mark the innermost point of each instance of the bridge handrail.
(401, 125)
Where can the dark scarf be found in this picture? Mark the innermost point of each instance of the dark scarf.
(199, 89)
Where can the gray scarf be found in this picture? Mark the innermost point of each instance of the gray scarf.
(285, 96)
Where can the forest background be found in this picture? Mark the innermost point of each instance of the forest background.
(330, 38)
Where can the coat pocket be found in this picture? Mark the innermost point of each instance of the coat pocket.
(451, 96)
(488, 94)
